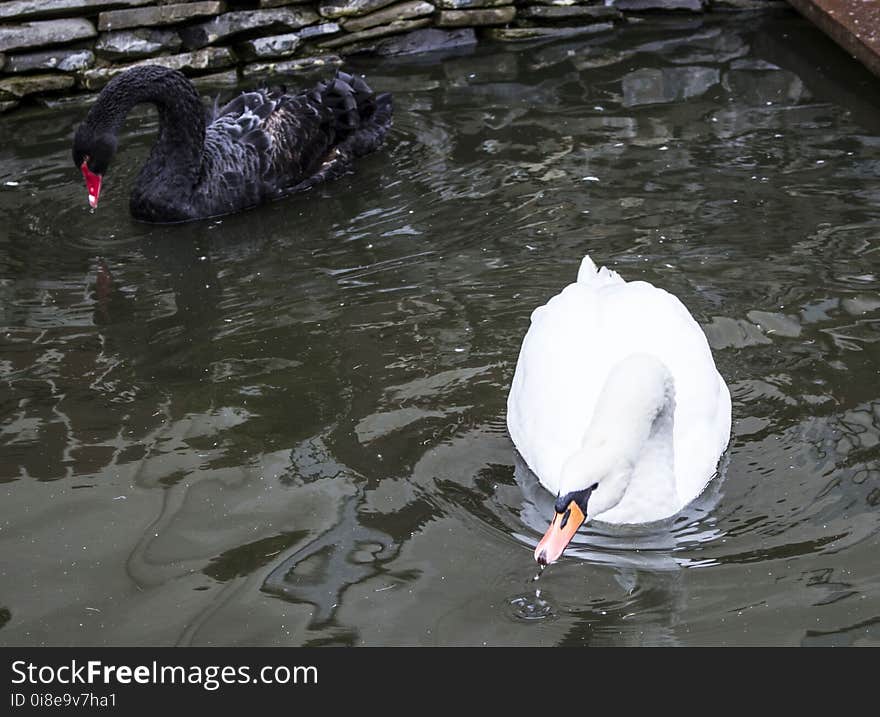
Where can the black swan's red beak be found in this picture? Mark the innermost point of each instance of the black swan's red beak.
(93, 184)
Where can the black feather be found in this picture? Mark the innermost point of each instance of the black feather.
(261, 145)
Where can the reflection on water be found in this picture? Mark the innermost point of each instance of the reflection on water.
(287, 426)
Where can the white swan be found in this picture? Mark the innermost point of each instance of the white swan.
(616, 404)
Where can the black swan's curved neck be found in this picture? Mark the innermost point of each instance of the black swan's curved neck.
(176, 156)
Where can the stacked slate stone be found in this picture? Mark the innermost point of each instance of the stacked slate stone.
(550, 19)
(51, 48)
(546, 19)
(45, 51)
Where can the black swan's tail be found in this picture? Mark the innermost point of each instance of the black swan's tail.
(362, 118)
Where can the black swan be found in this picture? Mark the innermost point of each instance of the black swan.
(261, 146)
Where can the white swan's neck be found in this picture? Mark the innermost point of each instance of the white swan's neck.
(628, 449)
(651, 492)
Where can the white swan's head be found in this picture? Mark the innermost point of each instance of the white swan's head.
(637, 401)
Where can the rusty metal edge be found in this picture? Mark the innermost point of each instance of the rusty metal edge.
(839, 32)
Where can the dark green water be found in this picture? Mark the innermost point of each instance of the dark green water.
(287, 427)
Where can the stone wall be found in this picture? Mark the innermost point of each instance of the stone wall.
(51, 49)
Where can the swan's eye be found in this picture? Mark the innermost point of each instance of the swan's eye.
(565, 518)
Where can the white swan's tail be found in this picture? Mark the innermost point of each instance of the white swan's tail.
(590, 274)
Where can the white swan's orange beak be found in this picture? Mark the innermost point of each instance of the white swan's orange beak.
(559, 534)
(93, 184)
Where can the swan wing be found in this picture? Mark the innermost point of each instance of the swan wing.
(266, 143)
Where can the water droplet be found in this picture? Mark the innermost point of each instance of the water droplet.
(531, 607)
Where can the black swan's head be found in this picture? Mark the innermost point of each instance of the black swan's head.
(92, 154)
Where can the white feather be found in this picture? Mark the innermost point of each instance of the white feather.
(571, 439)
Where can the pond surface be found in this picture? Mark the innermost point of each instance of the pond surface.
(287, 427)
